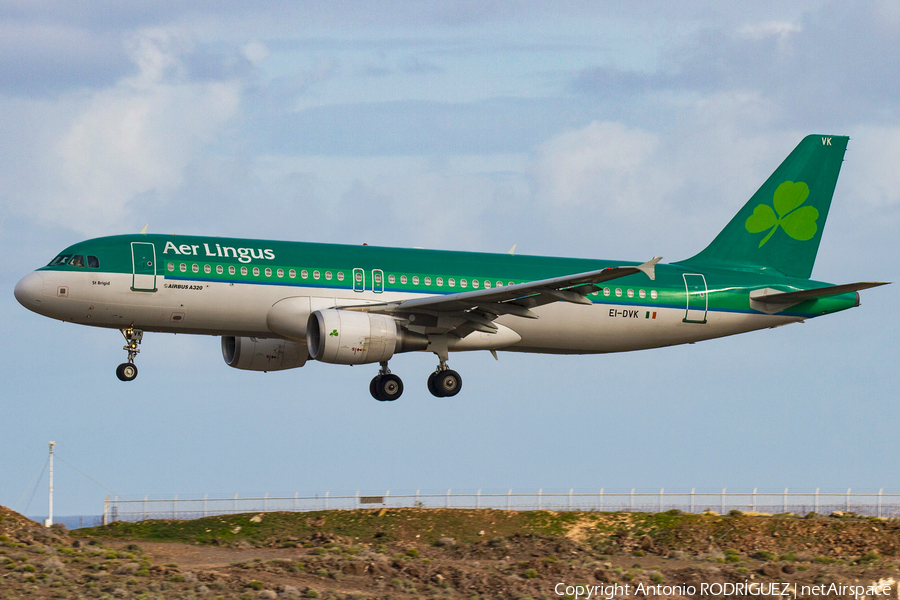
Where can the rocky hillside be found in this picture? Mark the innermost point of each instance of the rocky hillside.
(419, 553)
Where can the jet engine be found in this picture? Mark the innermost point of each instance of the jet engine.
(348, 337)
(258, 354)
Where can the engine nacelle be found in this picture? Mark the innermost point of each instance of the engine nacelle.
(255, 354)
(347, 337)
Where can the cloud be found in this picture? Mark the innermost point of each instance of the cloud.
(102, 149)
(598, 163)
(873, 179)
(417, 127)
(256, 52)
(41, 59)
(829, 64)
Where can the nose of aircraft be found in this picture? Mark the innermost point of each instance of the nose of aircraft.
(29, 289)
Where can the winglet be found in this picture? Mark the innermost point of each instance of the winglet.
(649, 267)
(512, 250)
(144, 230)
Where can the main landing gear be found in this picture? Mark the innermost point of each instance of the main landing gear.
(127, 371)
(387, 387)
(444, 382)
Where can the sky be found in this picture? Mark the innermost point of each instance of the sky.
(612, 130)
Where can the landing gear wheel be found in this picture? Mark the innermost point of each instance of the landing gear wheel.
(390, 387)
(386, 388)
(432, 387)
(126, 371)
(445, 383)
(373, 387)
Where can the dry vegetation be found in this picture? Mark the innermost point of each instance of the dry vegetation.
(436, 553)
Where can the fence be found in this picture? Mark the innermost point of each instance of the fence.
(868, 503)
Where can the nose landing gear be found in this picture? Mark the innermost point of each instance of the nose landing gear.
(385, 387)
(127, 371)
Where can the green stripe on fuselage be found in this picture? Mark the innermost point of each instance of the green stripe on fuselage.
(728, 291)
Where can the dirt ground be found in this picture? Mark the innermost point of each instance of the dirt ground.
(409, 553)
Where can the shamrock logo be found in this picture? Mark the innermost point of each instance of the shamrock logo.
(333, 333)
(799, 222)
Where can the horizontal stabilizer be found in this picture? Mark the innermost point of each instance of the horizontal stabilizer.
(772, 301)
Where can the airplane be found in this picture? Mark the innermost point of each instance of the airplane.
(278, 304)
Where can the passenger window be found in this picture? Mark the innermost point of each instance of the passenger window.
(304, 273)
(440, 281)
(403, 279)
(292, 274)
(93, 262)
(268, 272)
(182, 267)
(618, 292)
(428, 281)
(415, 280)
(391, 279)
(170, 266)
(219, 269)
(631, 293)
(231, 270)
(451, 282)
(77, 261)
(475, 284)
(195, 268)
(487, 285)
(463, 283)
(243, 270)
(653, 294)
(341, 276)
(207, 269)
(642, 294)
(316, 275)
(499, 284)
(280, 273)
(256, 271)
(328, 275)
(606, 291)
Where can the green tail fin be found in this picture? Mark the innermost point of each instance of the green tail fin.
(781, 226)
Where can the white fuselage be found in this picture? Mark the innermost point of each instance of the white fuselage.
(241, 309)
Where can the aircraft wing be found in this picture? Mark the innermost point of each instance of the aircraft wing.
(475, 310)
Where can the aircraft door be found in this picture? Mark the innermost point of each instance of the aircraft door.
(359, 280)
(697, 298)
(143, 262)
(377, 281)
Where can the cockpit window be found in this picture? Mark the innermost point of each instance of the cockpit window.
(60, 260)
(93, 262)
(77, 261)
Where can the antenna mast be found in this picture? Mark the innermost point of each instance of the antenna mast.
(49, 520)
